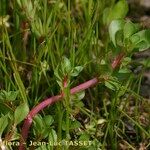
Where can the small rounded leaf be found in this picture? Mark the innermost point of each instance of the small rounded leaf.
(114, 28)
(129, 29)
(66, 65)
(76, 71)
(3, 123)
(141, 40)
(21, 112)
(52, 136)
(48, 120)
(118, 11)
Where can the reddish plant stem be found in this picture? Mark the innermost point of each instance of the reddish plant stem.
(117, 61)
(32, 113)
(28, 121)
(84, 86)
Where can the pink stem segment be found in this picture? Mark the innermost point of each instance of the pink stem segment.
(28, 121)
(116, 62)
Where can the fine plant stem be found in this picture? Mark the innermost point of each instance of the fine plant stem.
(67, 99)
(66, 91)
(60, 118)
(16, 73)
(136, 123)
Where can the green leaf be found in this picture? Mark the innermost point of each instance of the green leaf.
(64, 125)
(105, 69)
(75, 72)
(66, 65)
(57, 73)
(79, 104)
(52, 136)
(2, 95)
(12, 95)
(75, 124)
(21, 112)
(124, 70)
(101, 121)
(84, 137)
(20, 85)
(115, 26)
(118, 11)
(141, 40)
(8, 96)
(78, 96)
(129, 29)
(109, 85)
(42, 125)
(119, 39)
(113, 85)
(3, 124)
(48, 120)
(146, 63)
(38, 123)
(126, 61)
(4, 109)
(106, 13)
